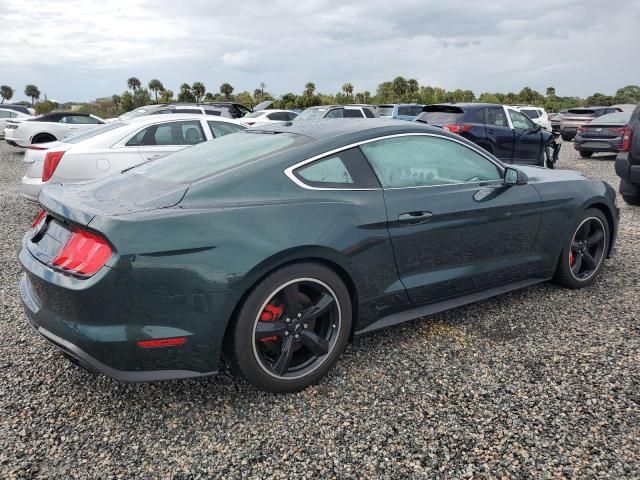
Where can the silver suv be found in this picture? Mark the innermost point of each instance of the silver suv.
(577, 117)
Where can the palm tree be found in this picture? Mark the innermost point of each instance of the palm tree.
(185, 95)
(226, 89)
(166, 95)
(6, 92)
(198, 90)
(551, 92)
(134, 84)
(309, 88)
(156, 86)
(33, 92)
(347, 88)
(116, 100)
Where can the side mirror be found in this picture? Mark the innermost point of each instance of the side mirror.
(513, 176)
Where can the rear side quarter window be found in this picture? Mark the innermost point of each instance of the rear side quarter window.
(348, 170)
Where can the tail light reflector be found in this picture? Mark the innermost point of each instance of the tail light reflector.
(35, 147)
(627, 134)
(455, 128)
(51, 161)
(162, 342)
(84, 253)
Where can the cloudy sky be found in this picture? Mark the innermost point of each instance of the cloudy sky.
(83, 49)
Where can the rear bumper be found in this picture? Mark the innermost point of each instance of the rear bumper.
(14, 140)
(98, 322)
(596, 145)
(626, 171)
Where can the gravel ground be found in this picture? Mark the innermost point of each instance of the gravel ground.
(540, 383)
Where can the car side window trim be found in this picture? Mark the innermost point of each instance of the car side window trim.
(289, 171)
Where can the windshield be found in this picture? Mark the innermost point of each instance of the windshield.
(210, 158)
(411, 110)
(440, 115)
(92, 132)
(531, 113)
(386, 110)
(312, 113)
(138, 112)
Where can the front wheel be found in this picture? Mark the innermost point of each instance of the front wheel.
(292, 328)
(585, 250)
(630, 193)
(566, 138)
(585, 154)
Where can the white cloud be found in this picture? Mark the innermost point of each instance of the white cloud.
(87, 48)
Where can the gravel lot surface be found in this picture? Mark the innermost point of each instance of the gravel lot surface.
(540, 383)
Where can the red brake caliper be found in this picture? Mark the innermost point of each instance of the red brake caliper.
(270, 314)
(571, 258)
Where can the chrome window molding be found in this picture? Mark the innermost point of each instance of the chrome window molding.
(289, 171)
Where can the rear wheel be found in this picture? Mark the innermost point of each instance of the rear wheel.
(292, 328)
(585, 250)
(585, 154)
(630, 193)
(43, 138)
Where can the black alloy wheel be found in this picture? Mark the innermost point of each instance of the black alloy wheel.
(291, 328)
(582, 259)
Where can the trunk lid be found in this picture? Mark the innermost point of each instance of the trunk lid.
(110, 197)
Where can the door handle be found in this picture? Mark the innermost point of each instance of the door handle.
(153, 157)
(412, 218)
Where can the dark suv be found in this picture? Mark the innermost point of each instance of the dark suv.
(505, 132)
(628, 160)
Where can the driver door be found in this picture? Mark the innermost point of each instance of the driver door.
(528, 142)
(455, 226)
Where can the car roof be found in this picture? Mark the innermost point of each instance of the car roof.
(333, 127)
(150, 119)
(465, 105)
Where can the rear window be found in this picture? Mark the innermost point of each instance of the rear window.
(410, 110)
(86, 134)
(531, 113)
(210, 158)
(620, 117)
(385, 110)
(581, 111)
(440, 115)
(312, 113)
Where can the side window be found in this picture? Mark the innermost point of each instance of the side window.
(353, 113)
(335, 113)
(64, 120)
(188, 110)
(291, 115)
(279, 116)
(219, 129)
(81, 119)
(215, 113)
(348, 169)
(327, 170)
(175, 133)
(496, 117)
(13, 114)
(479, 116)
(420, 161)
(520, 121)
(192, 133)
(368, 113)
(5, 114)
(137, 139)
(161, 112)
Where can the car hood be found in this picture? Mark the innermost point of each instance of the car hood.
(110, 197)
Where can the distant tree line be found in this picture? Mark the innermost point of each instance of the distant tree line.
(398, 90)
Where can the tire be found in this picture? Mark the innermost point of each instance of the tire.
(261, 357)
(578, 245)
(566, 138)
(585, 154)
(630, 193)
(43, 138)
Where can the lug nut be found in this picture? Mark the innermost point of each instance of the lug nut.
(305, 326)
(299, 315)
(286, 334)
(296, 336)
(288, 320)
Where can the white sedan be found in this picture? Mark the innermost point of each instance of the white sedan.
(116, 146)
(262, 117)
(6, 114)
(47, 128)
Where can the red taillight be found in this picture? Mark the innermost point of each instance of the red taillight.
(84, 253)
(616, 130)
(455, 128)
(163, 342)
(582, 129)
(627, 134)
(38, 218)
(51, 161)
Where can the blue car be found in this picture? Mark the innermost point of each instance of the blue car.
(400, 111)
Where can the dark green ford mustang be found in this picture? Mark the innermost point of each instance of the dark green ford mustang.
(271, 247)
